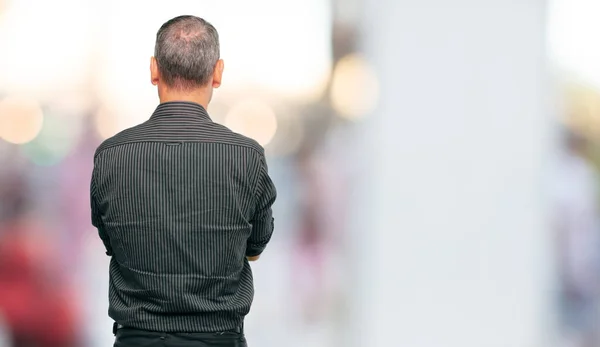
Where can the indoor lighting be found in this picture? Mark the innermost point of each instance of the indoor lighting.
(354, 88)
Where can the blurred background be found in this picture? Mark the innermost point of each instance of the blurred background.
(436, 163)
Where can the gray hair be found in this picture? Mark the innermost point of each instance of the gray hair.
(187, 49)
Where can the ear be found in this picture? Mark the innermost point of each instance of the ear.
(218, 73)
(154, 73)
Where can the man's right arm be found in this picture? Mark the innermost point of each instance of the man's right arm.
(262, 221)
(97, 215)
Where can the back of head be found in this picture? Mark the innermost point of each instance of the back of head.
(186, 52)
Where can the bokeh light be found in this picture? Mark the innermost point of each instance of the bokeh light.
(55, 141)
(21, 119)
(354, 87)
(582, 104)
(253, 118)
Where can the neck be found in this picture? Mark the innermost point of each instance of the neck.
(200, 96)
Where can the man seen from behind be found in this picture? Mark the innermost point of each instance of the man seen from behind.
(182, 204)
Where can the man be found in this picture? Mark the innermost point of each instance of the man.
(182, 204)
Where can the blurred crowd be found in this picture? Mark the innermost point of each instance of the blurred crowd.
(576, 219)
(578, 244)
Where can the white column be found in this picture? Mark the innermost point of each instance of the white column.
(451, 237)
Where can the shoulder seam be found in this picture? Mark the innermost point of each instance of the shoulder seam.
(102, 148)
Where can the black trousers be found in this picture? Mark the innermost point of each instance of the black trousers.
(126, 337)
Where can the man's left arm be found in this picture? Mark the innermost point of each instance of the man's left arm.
(97, 215)
(262, 221)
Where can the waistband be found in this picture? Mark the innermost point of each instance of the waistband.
(238, 330)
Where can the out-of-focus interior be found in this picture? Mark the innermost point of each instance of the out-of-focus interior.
(308, 80)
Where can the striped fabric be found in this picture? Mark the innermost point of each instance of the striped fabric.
(179, 202)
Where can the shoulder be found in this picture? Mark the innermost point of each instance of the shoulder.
(230, 137)
(123, 137)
